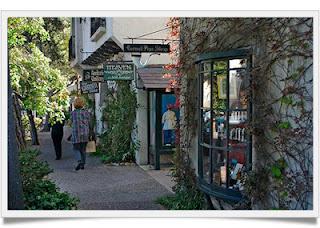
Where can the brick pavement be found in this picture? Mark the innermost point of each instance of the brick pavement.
(100, 186)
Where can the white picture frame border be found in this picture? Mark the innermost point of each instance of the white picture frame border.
(128, 213)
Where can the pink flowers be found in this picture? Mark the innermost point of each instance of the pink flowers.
(167, 76)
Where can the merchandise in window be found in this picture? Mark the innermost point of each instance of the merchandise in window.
(225, 111)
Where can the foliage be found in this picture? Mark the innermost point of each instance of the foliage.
(59, 29)
(18, 27)
(183, 200)
(117, 144)
(187, 196)
(39, 192)
(34, 71)
(26, 124)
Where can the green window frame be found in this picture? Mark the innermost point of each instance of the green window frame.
(225, 110)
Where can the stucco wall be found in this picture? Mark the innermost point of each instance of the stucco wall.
(142, 125)
(117, 29)
(135, 27)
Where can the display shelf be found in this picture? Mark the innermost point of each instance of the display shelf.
(237, 122)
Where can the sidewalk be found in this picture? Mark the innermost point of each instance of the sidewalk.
(100, 186)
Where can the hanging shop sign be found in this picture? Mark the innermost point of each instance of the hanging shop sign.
(89, 87)
(118, 71)
(158, 48)
(94, 75)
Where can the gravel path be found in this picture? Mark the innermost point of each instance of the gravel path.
(100, 186)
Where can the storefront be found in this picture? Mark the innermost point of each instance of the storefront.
(225, 144)
(162, 117)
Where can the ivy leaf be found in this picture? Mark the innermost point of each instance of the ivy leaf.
(286, 100)
(276, 172)
(284, 125)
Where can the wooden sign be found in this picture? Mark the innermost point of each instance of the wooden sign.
(118, 71)
(89, 87)
(94, 75)
(157, 48)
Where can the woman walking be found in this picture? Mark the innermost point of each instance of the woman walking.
(57, 135)
(80, 131)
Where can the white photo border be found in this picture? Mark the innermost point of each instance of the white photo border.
(158, 214)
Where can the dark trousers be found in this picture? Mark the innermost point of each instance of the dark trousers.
(168, 137)
(57, 144)
(80, 152)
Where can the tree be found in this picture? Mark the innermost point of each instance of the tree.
(57, 50)
(15, 193)
(38, 84)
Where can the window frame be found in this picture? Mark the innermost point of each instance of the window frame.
(96, 23)
(210, 187)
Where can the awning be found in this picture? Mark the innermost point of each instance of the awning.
(151, 77)
(105, 51)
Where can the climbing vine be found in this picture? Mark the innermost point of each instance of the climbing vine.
(117, 143)
(187, 194)
(281, 74)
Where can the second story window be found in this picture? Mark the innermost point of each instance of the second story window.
(72, 40)
(96, 23)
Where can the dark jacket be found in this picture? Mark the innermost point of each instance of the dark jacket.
(57, 129)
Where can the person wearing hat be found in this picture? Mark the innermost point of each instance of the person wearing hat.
(80, 118)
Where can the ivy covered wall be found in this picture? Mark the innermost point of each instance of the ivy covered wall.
(282, 176)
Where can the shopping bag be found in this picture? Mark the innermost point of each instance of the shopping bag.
(91, 147)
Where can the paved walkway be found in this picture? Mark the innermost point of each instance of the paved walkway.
(100, 186)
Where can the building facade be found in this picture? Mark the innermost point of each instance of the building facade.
(245, 99)
(252, 109)
(95, 41)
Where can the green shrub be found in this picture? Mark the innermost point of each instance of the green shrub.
(116, 143)
(183, 200)
(39, 192)
(187, 195)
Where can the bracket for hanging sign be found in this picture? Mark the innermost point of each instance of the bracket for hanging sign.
(158, 48)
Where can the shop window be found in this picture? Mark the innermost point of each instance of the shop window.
(72, 40)
(169, 119)
(225, 145)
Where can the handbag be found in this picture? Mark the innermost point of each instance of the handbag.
(91, 147)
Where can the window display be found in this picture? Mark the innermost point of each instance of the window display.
(225, 143)
(169, 118)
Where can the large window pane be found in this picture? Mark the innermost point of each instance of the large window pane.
(206, 126)
(206, 164)
(219, 90)
(205, 67)
(206, 90)
(237, 63)
(219, 172)
(239, 88)
(219, 129)
(237, 158)
(220, 65)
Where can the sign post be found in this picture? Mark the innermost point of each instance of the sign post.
(115, 71)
